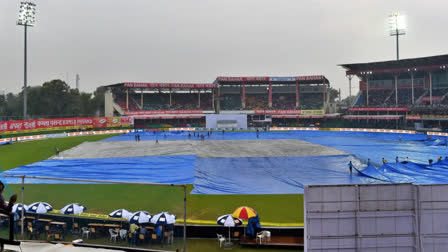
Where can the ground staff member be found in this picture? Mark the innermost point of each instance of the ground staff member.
(12, 200)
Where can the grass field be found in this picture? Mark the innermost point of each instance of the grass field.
(23, 153)
(272, 209)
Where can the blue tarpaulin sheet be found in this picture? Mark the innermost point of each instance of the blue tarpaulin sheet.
(252, 135)
(375, 146)
(409, 172)
(163, 169)
(362, 145)
(271, 175)
(5, 143)
(263, 175)
(437, 142)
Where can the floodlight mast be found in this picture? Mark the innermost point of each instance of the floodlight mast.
(27, 17)
(397, 28)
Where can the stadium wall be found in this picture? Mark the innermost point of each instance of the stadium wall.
(388, 217)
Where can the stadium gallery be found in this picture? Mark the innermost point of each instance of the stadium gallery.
(403, 88)
(259, 98)
(414, 90)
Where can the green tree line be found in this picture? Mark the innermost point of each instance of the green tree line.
(54, 99)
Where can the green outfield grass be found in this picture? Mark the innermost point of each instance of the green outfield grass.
(103, 199)
(22, 153)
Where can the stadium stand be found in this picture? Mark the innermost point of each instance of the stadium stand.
(311, 101)
(160, 101)
(254, 102)
(437, 109)
(231, 102)
(231, 93)
(283, 101)
(156, 101)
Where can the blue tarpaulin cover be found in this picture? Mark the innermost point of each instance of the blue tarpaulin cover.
(163, 169)
(236, 135)
(409, 172)
(6, 143)
(263, 175)
(271, 175)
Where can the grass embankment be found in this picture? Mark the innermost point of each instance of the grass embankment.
(102, 199)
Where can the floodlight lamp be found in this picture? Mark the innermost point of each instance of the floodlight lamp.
(27, 14)
(397, 24)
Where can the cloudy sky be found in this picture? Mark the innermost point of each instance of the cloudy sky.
(111, 41)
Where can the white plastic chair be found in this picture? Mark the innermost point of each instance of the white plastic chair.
(169, 235)
(85, 231)
(267, 235)
(260, 237)
(123, 234)
(113, 234)
(221, 239)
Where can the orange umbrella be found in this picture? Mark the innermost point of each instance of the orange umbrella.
(244, 213)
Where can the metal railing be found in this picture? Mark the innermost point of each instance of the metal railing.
(10, 240)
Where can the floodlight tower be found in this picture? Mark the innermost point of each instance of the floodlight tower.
(397, 27)
(27, 17)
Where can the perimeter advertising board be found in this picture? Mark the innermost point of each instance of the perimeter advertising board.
(163, 112)
(22, 126)
(290, 112)
(113, 122)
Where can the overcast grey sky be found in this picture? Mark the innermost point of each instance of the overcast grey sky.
(111, 41)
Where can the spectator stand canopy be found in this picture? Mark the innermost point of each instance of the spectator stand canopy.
(406, 88)
(187, 103)
(166, 88)
(403, 82)
(253, 91)
(160, 101)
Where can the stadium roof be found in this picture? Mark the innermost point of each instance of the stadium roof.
(164, 85)
(310, 79)
(398, 66)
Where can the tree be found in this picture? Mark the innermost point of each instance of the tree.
(333, 94)
(98, 101)
(34, 101)
(53, 99)
(348, 100)
(56, 98)
(2, 104)
(13, 106)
